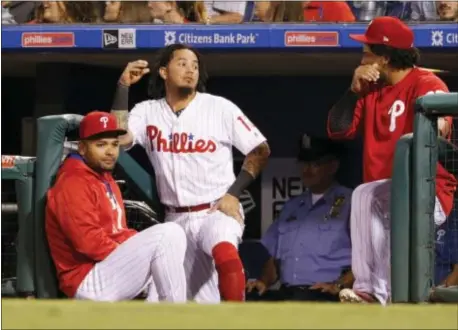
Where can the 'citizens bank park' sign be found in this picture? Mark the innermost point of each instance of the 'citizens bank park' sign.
(47, 39)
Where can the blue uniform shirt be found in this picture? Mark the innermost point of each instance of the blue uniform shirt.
(312, 242)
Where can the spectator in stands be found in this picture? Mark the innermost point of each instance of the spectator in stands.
(447, 10)
(7, 17)
(66, 12)
(225, 12)
(126, 12)
(423, 11)
(178, 12)
(327, 11)
(278, 11)
(18, 12)
(309, 244)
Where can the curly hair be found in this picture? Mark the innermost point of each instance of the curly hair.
(134, 12)
(72, 12)
(156, 88)
(194, 11)
(398, 58)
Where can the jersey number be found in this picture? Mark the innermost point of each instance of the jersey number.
(115, 206)
(244, 123)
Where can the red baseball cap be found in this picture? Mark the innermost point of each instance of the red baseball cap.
(386, 30)
(97, 122)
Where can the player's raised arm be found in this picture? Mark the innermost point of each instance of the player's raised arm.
(345, 116)
(133, 72)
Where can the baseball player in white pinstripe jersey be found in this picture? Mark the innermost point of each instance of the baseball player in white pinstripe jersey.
(188, 136)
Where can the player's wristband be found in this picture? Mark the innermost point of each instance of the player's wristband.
(121, 99)
(243, 180)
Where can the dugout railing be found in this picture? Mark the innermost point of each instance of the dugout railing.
(413, 199)
(21, 170)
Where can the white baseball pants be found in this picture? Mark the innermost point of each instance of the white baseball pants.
(204, 231)
(370, 237)
(153, 256)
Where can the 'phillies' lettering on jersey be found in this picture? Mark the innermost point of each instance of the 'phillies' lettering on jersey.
(177, 142)
(192, 153)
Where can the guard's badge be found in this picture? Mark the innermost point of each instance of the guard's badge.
(336, 207)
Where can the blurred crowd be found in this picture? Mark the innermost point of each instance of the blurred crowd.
(221, 12)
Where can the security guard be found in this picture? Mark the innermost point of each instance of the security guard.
(309, 244)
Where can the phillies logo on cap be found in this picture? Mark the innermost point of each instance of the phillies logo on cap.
(104, 121)
(97, 122)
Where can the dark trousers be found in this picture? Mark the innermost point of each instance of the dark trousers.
(293, 293)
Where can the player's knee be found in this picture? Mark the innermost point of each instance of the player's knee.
(174, 237)
(226, 257)
(173, 232)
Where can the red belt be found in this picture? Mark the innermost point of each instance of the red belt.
(186, 209)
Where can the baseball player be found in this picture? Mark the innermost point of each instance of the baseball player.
(188, 136)
(380, 103)
(96, 256)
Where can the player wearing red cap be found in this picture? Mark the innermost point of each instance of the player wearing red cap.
(96, 256)
(380, 105)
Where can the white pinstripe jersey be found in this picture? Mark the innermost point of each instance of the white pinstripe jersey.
(192, 153)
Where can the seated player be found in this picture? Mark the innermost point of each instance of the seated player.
(97, 257)
(309, 244)
(381, 105)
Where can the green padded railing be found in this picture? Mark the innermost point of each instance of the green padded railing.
(424, 164)
(400, 220)
(22, 172)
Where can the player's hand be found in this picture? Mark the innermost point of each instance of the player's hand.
(133, 72)
(230, 206)
(364, 74)
(452, 278)
(260, 286)
(326, 287)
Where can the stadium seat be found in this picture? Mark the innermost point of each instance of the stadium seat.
(51, 134)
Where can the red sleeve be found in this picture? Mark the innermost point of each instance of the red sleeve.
(76, 213)
(336, 11)
(350, 133)
(432, 84)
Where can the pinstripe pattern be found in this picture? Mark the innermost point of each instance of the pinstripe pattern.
(370, 236)
(189, 173)
(186, 178)
(155, 256)
(204, 231)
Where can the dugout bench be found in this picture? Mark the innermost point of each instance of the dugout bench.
(413, 196)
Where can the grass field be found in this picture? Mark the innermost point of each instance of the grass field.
(34, 314)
